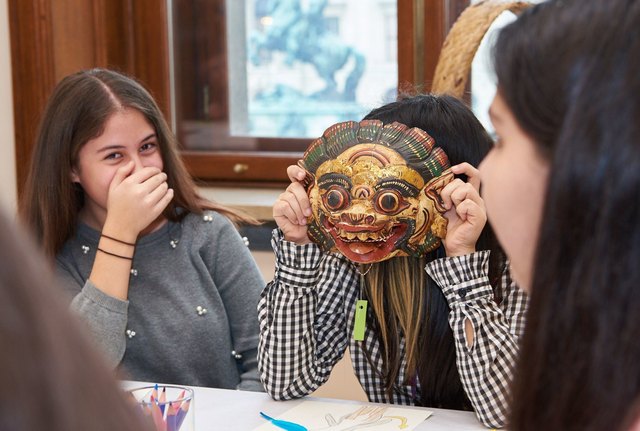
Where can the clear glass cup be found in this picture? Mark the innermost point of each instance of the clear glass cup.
(169, 407)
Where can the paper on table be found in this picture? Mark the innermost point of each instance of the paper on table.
(322, 415)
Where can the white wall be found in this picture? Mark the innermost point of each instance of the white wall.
(483, 79)
(8, 190)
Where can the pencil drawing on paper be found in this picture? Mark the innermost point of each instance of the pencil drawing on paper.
(362, 417)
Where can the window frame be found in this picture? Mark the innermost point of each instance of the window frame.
(420, 37)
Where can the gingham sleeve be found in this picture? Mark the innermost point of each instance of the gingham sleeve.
(303, 330)
(485, 368)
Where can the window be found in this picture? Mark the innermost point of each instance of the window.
(306, 66)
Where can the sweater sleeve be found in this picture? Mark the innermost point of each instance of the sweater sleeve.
(486, 366)
(239, 282)
(106, 316)
(303, 329)
(249, 377)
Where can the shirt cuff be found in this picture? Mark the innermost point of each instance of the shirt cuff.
(462, 278)
(300, 257)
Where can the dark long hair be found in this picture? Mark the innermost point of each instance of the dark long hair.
(51, 378)
(404, 298)
(570, 72)
(77, 112)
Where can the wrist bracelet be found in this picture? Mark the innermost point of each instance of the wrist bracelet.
(115, 255)
(118, 240)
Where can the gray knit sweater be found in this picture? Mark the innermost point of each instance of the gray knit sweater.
(193, 292)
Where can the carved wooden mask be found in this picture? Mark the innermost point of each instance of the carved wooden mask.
(374, 190)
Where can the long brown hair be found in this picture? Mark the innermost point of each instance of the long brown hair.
(51, 378)
(397, 295)
(405, 301)
(570, 72)
(75, 113)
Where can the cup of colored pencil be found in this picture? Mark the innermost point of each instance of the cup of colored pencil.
(169, 407)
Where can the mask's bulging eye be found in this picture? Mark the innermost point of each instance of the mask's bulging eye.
(336, 198)
(389, 202)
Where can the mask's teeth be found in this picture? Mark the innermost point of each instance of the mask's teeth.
(351, 235)
(363, 236)
(380, 236)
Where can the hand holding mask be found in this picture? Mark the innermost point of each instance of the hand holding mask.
(374, 190)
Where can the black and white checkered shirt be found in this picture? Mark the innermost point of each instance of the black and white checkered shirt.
(306, 321)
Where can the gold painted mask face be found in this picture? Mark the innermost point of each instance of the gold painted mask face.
(374, 190)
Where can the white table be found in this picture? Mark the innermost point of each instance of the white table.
(229, 410)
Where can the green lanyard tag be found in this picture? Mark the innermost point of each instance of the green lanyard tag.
(360, 320)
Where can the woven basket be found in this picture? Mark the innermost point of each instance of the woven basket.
(460, 46)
